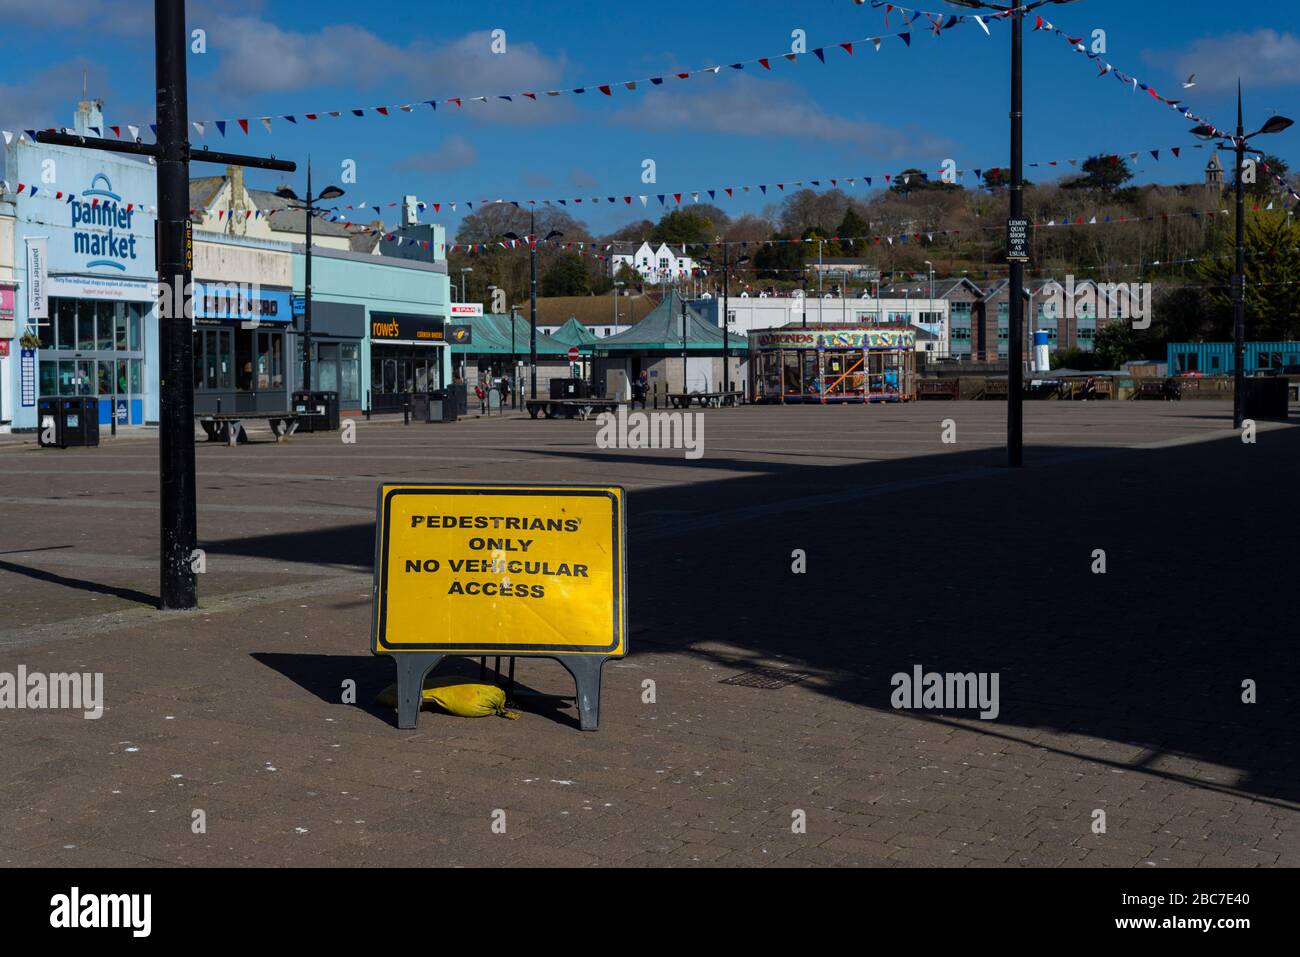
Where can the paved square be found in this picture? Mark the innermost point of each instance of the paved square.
(1119, 692)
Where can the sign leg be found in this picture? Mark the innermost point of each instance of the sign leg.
(411, 669)
(586, 675)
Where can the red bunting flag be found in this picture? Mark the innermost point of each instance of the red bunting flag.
(243, 125)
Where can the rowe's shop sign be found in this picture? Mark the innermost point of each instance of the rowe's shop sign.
(394, 327)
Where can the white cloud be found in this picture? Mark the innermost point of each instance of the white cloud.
(746, 106)
(455, 153)
(257, 56)
(1263, 58)
(118, 16)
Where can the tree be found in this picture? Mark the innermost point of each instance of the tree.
(913, 180)
(1116, 343)
(567, 276)
(779, 260)
(852, 226)
(1106, 173)
(1272, 277)
(827, 246)
(627, 275)
(682, 226)
(1265, 185)
(997, 179)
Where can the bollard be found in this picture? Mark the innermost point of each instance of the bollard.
(406, 411)
(367, 405)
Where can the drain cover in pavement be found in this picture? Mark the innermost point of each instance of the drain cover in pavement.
(767, 679)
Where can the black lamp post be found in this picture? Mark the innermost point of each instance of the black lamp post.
(532, 333)
(308, 206)
(1239, 144)
(1015, 346)
(173, 154)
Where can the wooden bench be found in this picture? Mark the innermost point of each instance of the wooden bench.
(705, 400)
(228, 427)
(938, 389)
(570, 408)
(1165, 389)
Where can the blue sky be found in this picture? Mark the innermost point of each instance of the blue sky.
(869, 113)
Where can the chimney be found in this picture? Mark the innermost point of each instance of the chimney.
(410, 212)
(89, 120)
(236, 221)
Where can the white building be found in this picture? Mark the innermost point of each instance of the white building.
(747, 312)
(656, 266)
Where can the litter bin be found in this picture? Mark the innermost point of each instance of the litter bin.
(570, 389)
(317, 411)
(442, 406)
(49, 428)
(79, 421)
(459, 394)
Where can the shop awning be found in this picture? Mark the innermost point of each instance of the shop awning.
(490, 335)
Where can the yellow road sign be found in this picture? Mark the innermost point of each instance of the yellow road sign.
(500, 570)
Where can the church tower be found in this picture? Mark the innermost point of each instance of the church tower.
(1214, 173)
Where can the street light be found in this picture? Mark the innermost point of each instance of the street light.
(1239, 145)
(726, 309)
(464, 269)
(308, 206)
(1015, 356)
(532, 333)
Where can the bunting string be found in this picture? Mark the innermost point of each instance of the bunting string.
(762, 64)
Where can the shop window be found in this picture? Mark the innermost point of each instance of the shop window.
(67, 377)
(119, 327)
(327, 367)
(104, 378)
(85, 376)
(85, 325)
(270, 360)
(136, 378)
(122, 386)
(49, 377)
(65, 319)
(135, 315)
(244, 360)
(45, 330)
(350, 372)
(105, 316)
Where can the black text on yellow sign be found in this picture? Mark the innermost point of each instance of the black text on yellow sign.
(500, 569)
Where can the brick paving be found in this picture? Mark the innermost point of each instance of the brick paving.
(1119, 692)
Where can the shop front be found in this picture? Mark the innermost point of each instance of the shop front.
(833, 364)
(407, 353)
(84, 268)
(379, 328)
(240, 351)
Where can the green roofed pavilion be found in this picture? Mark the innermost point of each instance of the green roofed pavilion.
(661, 331)
(574, 333)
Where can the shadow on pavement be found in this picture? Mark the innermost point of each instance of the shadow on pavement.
(40, 574)
(981, 569)
(323, 676)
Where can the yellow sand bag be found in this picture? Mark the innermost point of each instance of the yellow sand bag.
(461, 698)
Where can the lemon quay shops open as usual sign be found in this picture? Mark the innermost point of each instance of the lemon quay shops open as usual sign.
(507, 570)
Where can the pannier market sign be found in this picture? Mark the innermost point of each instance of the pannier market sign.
(96, 208)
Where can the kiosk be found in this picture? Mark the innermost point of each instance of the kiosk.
(833, 363)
